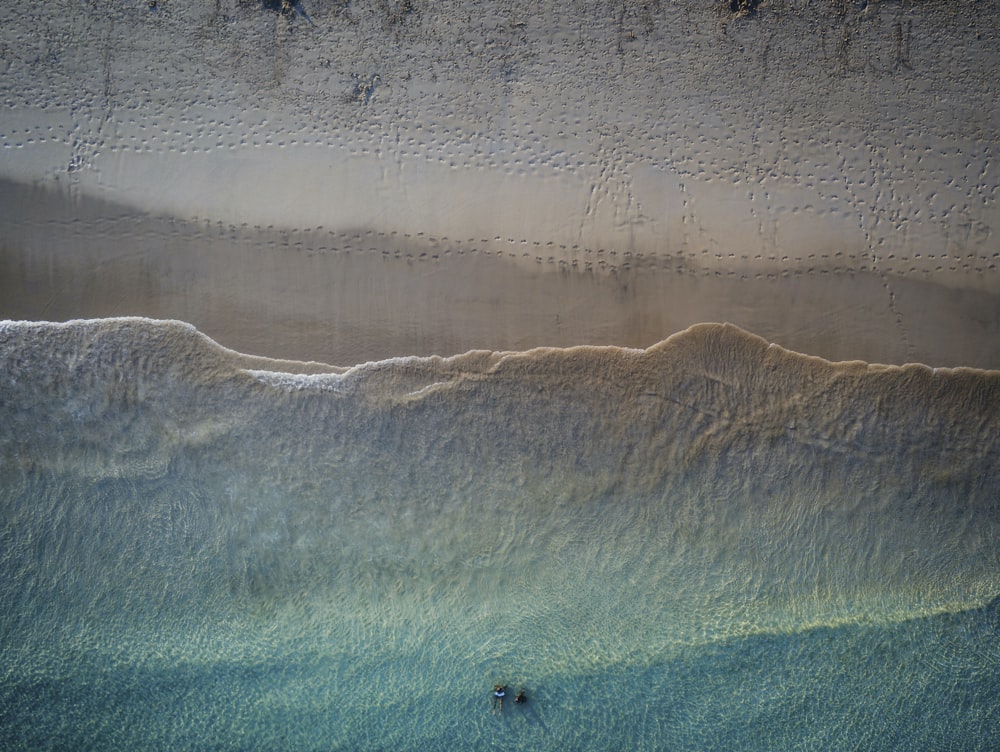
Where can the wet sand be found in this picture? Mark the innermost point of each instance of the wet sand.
(344, 298)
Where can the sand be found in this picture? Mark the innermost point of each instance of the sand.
(345, 298)
(415, 178)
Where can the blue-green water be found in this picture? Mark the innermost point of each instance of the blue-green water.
(712, 544)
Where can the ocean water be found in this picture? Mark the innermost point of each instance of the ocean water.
(710, 544)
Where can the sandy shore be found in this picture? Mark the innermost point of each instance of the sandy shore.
(344, 298)
(409, 177)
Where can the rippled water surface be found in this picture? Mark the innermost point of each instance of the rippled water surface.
(713, 543)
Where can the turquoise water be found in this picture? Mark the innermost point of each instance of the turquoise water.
(711, 544)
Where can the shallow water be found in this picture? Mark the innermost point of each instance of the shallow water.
(712, 543)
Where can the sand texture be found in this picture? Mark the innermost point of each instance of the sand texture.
(838, 156)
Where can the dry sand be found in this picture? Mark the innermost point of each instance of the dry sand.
(413, 177)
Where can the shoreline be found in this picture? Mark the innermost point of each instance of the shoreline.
(346, 298)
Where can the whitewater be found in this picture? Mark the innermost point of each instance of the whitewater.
(713, 542)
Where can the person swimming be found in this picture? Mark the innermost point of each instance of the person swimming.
(499, 692)
(521, 697)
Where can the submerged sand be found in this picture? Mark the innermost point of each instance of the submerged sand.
(415, 178)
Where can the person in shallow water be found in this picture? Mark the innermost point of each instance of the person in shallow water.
(499, 692)
(521, 697)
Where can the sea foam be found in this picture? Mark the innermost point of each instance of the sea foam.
(557, 516)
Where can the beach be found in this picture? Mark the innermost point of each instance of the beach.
(820, 175)
(346, 298)
(356, 358)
